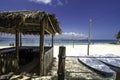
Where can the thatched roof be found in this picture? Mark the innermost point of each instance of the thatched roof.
(28, 22)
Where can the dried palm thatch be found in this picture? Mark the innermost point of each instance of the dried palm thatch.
(28, 22)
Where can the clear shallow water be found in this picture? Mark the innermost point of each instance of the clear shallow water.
(35, 42)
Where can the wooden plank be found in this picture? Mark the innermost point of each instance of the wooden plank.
(52, 40)
(31, 24)
(20, 39)
(51, 24)
(31, 29)
(42, 47)
(61, 63)
(17, 45)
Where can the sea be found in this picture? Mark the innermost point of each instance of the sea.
(48, 42)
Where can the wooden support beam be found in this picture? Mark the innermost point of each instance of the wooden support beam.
(61, 63)
(42, 48)
(31, 24)
(52, 40)
(52, 45)
(37, 26)
(17, 45)
(49, 32)
(51, 24)
(20, 39)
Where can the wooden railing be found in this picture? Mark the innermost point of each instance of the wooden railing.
(8, 63)
(48, 59)
(8, 60)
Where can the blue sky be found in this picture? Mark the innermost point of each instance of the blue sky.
(73, 15)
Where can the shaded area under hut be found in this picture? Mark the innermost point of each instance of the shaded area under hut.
(23, 58)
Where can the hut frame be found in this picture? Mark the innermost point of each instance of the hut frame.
(29, 22)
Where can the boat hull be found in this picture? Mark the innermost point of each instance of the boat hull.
(113, 61)
(97, 66)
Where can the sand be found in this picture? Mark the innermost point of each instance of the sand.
(80, 50)
(4, 47)
(72, 64)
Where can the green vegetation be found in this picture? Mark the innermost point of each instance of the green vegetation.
(118, 36)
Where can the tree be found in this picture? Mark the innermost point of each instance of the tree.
(118, 36)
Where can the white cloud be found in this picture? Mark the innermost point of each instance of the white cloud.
(71, 35)
(42, 1)
(51, 2)
(59, 2)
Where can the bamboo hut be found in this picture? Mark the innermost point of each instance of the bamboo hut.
(33, 22)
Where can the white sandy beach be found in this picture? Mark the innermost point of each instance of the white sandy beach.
(80, 50)
(4, 47)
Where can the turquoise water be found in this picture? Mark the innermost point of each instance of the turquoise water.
(35, 42)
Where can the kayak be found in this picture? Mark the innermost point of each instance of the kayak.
(97, 66)
(113, 61)
(110, 60)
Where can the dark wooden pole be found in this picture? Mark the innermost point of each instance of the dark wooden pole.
(52, 45)
(17, 45)
(52, 40)
(42, 48)
(61, 63)
(20, 39)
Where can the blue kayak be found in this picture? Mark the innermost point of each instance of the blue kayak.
(112, 60)
(97, 66)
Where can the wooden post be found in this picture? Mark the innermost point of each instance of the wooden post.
(52, 40)
(42, 48)
(52, 46)
(61, 63)
(17, 46)
(89, 34)
(20, 39)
